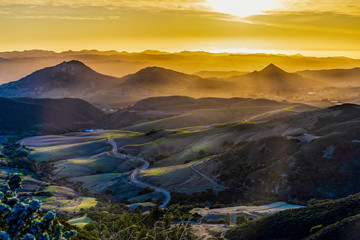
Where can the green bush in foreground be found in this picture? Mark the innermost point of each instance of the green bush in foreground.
(116, 221)
(25, 219)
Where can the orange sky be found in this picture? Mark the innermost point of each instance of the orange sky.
(310, 27)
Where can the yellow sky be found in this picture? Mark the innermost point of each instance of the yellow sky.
(311, 27)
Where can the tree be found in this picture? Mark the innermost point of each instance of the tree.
(23, 219)
(228, 219)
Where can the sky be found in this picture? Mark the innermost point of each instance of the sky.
(308, 27)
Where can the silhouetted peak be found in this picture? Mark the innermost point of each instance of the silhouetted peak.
(155, 71)
(71, 67)
(152, 70)
(271, 68)
(71, 63)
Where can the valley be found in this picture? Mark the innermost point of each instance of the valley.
(219, 153)
(179, 120)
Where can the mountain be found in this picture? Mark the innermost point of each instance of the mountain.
(75, 79)
(20, 115)
(337, 77)
(274, 79)
(119, 64)
(156, 81)
(68, 79)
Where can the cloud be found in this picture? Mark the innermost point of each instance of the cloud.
(337, 6)
(101, 11)
(323, 21)
(160, 4)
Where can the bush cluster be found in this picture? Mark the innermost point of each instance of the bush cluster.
(24, 219)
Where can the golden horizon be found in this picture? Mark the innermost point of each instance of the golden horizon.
(311, 28)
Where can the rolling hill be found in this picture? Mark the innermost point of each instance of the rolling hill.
(313, 154)
(173, 112)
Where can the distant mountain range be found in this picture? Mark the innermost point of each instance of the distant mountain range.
(338, 77)
(18, 64)
(76, 80)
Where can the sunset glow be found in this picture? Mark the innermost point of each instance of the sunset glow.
(306, 27)
(242, 8)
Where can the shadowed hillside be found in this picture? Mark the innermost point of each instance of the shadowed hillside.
(45, 115)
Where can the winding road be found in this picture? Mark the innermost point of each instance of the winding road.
(134, 174)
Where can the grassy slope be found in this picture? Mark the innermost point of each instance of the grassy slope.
(80, 221)
(60, 152)
(179, 178)
(205, 117)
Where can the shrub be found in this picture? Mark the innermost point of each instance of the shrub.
(240, 219)
(24, 219)
(221, 221)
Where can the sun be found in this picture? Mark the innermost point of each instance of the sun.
(242, 8)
